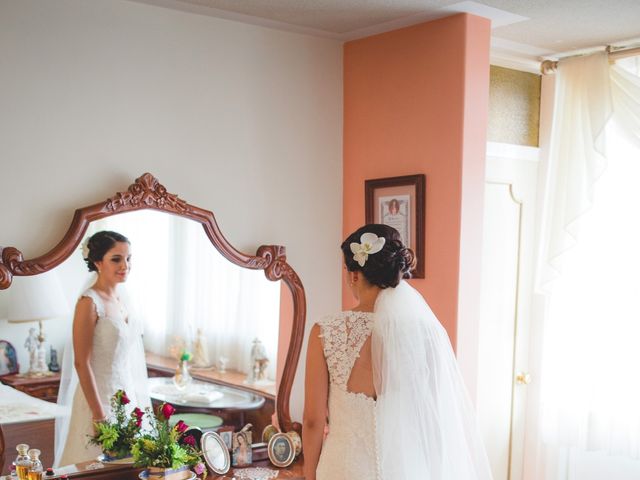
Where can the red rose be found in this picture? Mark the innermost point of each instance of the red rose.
(189, 440)
(123, 398)
(167, 410)
(181, 426)
(138, 413)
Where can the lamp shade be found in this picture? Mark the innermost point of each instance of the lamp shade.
(37, 297)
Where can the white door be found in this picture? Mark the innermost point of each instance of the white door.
(507, 275)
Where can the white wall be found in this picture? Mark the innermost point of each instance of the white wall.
(239, 119)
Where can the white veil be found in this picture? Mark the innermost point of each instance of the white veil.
(425, 421)
(68, 385)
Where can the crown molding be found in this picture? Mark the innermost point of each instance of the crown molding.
(517, 56)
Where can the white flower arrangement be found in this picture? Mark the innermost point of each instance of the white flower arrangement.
(369, 244)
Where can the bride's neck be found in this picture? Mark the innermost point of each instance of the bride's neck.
(367, 298)
(106, 288)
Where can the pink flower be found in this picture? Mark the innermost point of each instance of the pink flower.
(181, 426)
(199, 469)
(167, 410)
(189, 440)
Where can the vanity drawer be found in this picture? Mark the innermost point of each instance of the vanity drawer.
(44, 388)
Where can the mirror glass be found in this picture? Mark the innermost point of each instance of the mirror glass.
(188, 297)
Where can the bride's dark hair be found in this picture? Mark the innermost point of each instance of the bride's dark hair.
(388, 266)
(100, 243)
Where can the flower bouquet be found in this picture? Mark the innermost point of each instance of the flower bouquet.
(117, 433)
(165, 450)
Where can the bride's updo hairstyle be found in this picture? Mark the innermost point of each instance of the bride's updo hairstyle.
(99, 244)
(388, 266)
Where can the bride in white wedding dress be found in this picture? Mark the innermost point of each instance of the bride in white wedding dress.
(108, 354)
(386, 375)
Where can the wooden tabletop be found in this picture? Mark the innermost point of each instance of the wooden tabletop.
(18, 379)
(94, 469)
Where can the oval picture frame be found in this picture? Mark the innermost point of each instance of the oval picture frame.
(281, 450)
(215, 453)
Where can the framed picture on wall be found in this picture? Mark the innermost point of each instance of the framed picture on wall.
(400, 203)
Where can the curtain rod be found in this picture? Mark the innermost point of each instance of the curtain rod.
(548, 67)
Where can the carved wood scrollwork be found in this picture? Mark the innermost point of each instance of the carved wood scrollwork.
(148, 193)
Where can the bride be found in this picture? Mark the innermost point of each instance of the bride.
(386, 375)
(107, 351)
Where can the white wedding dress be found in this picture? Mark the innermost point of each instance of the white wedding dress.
(349, 451)
(118, 362)
(422, 424)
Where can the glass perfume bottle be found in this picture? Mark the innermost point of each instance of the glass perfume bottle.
(36, 471)
(22, 461)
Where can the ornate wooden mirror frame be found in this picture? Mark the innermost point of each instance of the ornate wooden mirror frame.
(147, 193)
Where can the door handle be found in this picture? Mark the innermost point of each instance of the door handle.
(523, 378)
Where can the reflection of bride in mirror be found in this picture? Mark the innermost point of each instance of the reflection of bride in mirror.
(108, 354)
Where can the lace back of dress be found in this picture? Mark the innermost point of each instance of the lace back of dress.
(343, 339)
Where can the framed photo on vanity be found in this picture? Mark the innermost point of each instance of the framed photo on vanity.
(400, 203)
(8, 359)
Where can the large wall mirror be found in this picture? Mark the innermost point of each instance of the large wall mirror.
(188, 284)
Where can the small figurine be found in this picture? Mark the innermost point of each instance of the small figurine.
(53, 363)
(222, 364)
(258, 362)
(31, 344)
(200, 352)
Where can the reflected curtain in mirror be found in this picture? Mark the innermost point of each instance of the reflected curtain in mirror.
(180, 283)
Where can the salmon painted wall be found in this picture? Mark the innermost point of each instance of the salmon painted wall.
(415, 101)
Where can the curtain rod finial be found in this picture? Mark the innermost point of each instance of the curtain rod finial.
(548, 67)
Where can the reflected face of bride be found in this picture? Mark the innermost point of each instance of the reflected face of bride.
(116, 263)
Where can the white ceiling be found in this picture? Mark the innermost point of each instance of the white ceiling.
(530, 29)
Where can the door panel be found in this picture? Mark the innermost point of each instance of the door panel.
(507, 276)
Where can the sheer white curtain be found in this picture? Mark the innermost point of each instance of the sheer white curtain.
(590, 391)
(179, 283)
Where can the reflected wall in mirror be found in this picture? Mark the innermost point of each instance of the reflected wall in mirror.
(188, 282)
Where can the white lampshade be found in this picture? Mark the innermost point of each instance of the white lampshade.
(34, 298)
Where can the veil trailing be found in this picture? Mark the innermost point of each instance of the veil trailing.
(425, 422)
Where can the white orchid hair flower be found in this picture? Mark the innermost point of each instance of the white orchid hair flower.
(85, 248)
(369, 244)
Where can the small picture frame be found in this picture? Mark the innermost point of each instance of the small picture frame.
(241, 449)
(281, 450)
(400, 203)
(226, 433)
(215, 453)
(268, 432)
(8, 359)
